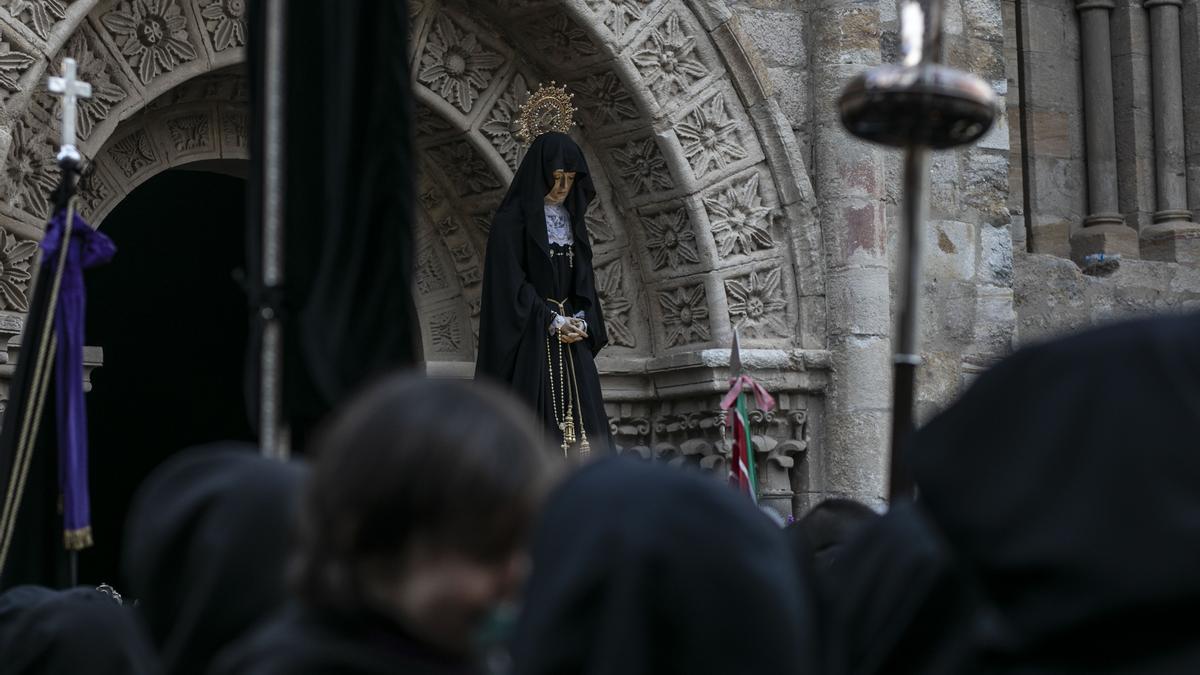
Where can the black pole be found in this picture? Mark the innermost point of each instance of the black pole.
(30, 387)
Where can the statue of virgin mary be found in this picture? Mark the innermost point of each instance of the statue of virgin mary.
(541, 324)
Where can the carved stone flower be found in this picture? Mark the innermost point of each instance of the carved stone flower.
(225, 20)
(456, 65)
(710, 137)
(29, 172)
(643, 166)
(152, 34)
(668, 61)
(465, 168)
(756, 304)
(685, 315)
(670, 239)
(598, 228)
(616, 306)
(561, 39)
(16, 257)
(605, 99)
(618, 15)
(106, 93)
(500, 125)
(739, 219)
(12, 65)
(42, 14)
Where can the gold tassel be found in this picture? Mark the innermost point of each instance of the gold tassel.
(77, 540)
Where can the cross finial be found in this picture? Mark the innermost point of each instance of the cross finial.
(70, 89)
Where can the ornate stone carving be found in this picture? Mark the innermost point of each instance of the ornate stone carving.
(233, 127)
(614, 301)
(151, 34)
(598, 228)
(670, 240)
(500, 125)
(429, 274)
(456, 65)
(133, 153)
(189, 132)
(619, 15)
(641, 165)
(30, 172)
(445, 332)
(740, 221)
(561, 40)
(668, 60)
(429, 123)
(465, 168)
(603, 98)
(710, 137)
(16, 257)
(757, 306)
(94, 190)
(13, 64)
(685, 315)
(225, 21)
(39, 15)
(97, 71)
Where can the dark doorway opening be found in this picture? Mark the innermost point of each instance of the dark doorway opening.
(172, 320)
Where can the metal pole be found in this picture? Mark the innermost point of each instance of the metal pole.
(907, 356)
(273, 437)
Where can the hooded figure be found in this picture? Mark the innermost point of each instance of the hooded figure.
(79, 630)
(205, 549)
(540, 323)
(1067, 481)
(643, 569)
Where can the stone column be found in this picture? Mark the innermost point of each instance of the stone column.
(1173, 236)
(1104, 229)
(849, 178)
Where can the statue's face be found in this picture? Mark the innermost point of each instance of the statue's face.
(563, 181)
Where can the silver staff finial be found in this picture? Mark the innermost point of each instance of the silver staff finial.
(71, 90)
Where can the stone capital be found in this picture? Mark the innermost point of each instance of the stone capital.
(1084, 5)
(1151, 4)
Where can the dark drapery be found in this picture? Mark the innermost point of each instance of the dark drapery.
(346, 303)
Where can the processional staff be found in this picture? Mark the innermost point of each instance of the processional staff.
(918, 105)
(52, 340)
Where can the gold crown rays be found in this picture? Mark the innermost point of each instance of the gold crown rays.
(547, 109)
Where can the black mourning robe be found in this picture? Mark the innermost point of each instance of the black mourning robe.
(519, 278)
(1067, 481)
(644, 569)
(79, 630)
(206, 547)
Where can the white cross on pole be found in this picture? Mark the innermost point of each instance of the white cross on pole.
(70, 89)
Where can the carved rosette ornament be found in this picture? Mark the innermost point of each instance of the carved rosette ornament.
(151, 34)
(225, 21)
(16, 258)
(456, 65)
(39, 15)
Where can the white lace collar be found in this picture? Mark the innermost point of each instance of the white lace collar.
(558, 225)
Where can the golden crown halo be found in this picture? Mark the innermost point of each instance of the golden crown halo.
(547, 109)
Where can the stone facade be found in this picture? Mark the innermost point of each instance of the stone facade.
(729, 196)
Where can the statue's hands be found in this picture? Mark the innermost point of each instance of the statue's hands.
(572, 331)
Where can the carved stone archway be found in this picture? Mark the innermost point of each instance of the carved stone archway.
(705, 219)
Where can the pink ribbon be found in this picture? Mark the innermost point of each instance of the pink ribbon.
(762, 398)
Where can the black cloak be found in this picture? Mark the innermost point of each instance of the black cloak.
(346, 303)
(896, 600)
(206, 547)
(519, 275)
(304, 641)
(641, 568)
(1067, 479)
(79, 630)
